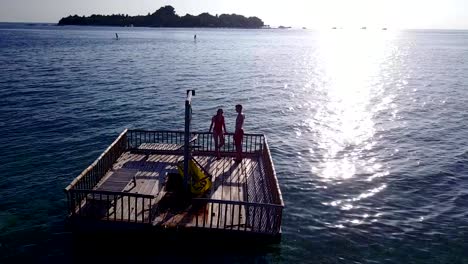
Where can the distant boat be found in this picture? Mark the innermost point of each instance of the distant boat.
(283, 27)
(116, 36)
(384, 28)
(333, 27)
(364, 28)
(304, 28)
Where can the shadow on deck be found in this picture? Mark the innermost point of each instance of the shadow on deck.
(127, 187)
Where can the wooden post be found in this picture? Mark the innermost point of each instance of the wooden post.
(188, 120)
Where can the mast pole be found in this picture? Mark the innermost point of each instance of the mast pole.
(188, 120)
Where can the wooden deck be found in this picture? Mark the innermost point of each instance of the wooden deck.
(147, 174)
(128, 185)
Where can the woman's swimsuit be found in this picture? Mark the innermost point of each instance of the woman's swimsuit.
(218, 124)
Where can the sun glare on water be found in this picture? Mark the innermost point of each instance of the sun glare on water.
(344, 122)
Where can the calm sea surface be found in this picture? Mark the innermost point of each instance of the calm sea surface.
(368, 130)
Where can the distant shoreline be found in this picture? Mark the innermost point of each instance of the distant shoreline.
(165, 17)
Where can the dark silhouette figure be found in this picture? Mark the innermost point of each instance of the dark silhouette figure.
(217, 123)
(239, 133)
(165, 17)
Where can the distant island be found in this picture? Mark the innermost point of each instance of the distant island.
(165, 17)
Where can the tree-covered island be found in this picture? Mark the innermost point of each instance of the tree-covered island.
(165, 17)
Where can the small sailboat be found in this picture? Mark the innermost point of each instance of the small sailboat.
(116, 36)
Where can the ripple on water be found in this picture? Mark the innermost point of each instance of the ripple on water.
(367, 130)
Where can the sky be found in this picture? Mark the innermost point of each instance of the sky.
(411, 14)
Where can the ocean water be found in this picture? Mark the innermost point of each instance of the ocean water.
(367, 128)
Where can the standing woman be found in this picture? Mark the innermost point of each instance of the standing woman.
(217, 123)
(239, 133)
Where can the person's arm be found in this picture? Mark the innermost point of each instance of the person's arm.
(224, 125)
(211, 126)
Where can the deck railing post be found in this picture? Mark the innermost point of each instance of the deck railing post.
(188, 120)
(150, 218)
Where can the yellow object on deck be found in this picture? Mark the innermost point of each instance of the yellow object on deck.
(200, 182)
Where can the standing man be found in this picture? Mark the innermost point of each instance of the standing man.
(239, 133)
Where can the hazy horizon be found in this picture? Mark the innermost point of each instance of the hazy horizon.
(292, 27)
(397, 14)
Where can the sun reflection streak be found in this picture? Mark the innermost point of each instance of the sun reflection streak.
(343, 123)
(347, 203)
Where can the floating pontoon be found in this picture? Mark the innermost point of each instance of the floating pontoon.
(144, 180)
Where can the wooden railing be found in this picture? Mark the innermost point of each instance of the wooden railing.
(269, 174)
(88, 179)
(252, 143)
(110, 206)
(262, 212)
(237, 216)
(137, 137)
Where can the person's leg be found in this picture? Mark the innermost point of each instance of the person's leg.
(240, 149)
(220, 144)
(216, 137)
(221, 140)
(238, 144)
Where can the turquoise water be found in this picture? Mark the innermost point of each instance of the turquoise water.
(367, 130)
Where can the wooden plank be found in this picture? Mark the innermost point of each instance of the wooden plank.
(221, 210)
(235, 190)
(159, 146)
(148, 185)
(229, 192)
(160, 218)
(185, 219)
(120, 208)
(117, 180)
(229, 183)
(242, 196)
(145, 181)
(240, 211)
